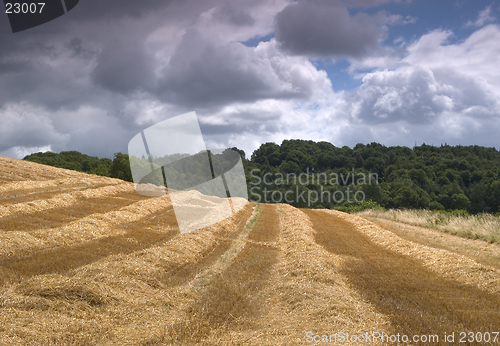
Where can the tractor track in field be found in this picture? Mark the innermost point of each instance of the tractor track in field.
(182, 274)
(228, 297)
(415, 299)
(235, 296)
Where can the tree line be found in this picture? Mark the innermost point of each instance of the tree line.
(442, 177)
(119, 167)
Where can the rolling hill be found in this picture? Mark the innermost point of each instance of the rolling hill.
(85, 260)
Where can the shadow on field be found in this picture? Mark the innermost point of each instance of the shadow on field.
(36, 193)
(58, 217)
(415, 299)
(62, 259)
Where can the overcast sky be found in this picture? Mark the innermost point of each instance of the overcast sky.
(360, 71)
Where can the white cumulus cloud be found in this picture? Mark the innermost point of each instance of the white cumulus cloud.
(438, 92)
(483, 18)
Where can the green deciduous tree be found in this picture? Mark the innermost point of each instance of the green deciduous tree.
(120, 168)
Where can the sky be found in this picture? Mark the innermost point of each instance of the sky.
(395, 72)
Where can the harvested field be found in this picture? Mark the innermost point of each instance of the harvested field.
(85, 260)
(416, 297)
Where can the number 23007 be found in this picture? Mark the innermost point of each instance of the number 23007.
(24, 7)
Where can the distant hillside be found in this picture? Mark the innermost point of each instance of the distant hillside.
(116, 168)
(440, 178)
(300, 172)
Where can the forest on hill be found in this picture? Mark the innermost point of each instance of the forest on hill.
(320, 175)
(117, 168)
(439, 178)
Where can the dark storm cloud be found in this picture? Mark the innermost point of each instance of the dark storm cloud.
(72, 83)
(124, 66)
(93, 78)
(50, 80)
(368, 3)
(203, 72)
(325, 28)
(225, 129)
(233, 15)
(79, 50)
(94, 10)
(244, 121)
(12, 66)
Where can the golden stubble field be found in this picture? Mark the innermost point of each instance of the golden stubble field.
(85, 260)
